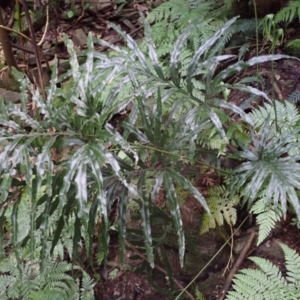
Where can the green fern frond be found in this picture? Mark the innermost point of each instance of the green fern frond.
(55, 281)
(87, 287)
(172, 17)
(266, 217)
(288, 13)
(243, 50)
(222, 207)
(267, 282)
(175, 10)
(292, 264)
(211, 139)
(287, 116)
(294, 97)
(246, 26)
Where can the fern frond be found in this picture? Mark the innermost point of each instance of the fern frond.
(267, 282)
(286, 116)
(266, 217)
(267, 166)
(87, 287)
(243, 50)
(288, 13)
(294, 97)
(246, 26)
(222, 207)
(175, 10)
(292, 264)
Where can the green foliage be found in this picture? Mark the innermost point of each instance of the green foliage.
(293, 47)
(171, 108)
(268, 282)
(221, 203)
(270, 24)
(271, 31)
(199, 295)
(27, 281)
(172, 17)
(294, 97)
(288, 13)
(22, 272)
(283, 115)
(271, 159)
(266, 217)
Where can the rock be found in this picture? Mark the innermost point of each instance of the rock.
(207, 286)
(202, 249)
(97, 26)
(10, 95)
(99, 5)
(79, 37)
(271, 248)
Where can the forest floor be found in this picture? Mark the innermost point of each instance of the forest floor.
(132, 280)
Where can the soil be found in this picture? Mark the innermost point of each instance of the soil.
(130, 281)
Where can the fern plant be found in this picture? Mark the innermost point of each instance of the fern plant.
(270, 23)
(25, 280)
(22, 273)
(270, 159)
(268, 282)
(222, 208)
(169, 113)
(269, 172)
(172, 17)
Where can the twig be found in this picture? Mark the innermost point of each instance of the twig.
(15, 31)
(7, 50)
(236, 266)
(230, 260)
(160, 269)
(46, 27)
(36, 50)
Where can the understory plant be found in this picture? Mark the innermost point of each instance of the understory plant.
(34, 274)
(272, 24)
(74, 146)
(267, 281)
(266, 178)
